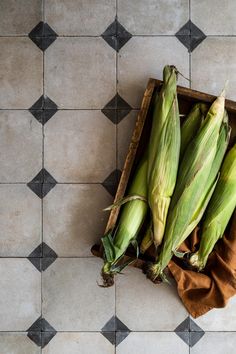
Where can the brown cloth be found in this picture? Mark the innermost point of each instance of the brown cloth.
(212, 288)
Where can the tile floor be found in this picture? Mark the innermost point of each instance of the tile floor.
(72, 75)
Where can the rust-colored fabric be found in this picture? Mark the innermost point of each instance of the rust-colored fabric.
(200, 292)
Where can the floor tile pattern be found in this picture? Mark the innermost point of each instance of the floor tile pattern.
(72, 76)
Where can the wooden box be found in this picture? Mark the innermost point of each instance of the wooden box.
(186, 98)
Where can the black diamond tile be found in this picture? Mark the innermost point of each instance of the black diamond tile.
(41, 332)
(116, 109)
(112, 181)
(116, 35)
(184, 336)
(43, 109)
(189, 332)
(184, 326)
(120, 336)
(42, 183)
(111, 336)
(194, 337)
(42, 257)
(43, 35)
(190, 36)
(115, 331)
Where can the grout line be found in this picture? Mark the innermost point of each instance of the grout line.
(133, 35)
(26, 257)
(67, 109)
(135, 331)
(116, 149)
(43, 18)
(190, 55)
(79, 183)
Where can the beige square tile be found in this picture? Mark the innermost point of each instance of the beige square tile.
(20, 285)
(161, 310)
(20, 146)
(124, 133)
(80, 146)
(82, 17)
(152, 343)
(72, 299)
(213, 62)
(17, 343)
(21, 72)
(153, 17)
(219, 319)
(19, 17)
(20, 220)
(145, 57)
(67, 228)
(217, 343)
(82, 343)
(80, 72)
(214, 17)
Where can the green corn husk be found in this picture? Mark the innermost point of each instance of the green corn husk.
(163, 152)
(194, 186)
(133, 214)
(192, 124)
(219, 210)
(147, 239)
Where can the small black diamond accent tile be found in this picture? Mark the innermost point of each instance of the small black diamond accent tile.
(116, 109)
(41, 332)
(116, 35)
(112, 181)
(43, 109)
(190, 36)
(43, 35)
(189, 332)
(110, 336)
(115, 331)
(42, 257)
(42, 183)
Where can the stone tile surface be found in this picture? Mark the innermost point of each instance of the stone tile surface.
(145, 57)
(20, 146)
(83, 343)
(213, 62)
(21, 72)
(80, 18)
(17, 343)
(79, 146)
(19, 17)
(157, 313)
(217, 343)
(19, 294)
(20, 220)
(72, 299)
(223, 319)
(214, 17)
(80, 72)
(152, 343)
(74, 219)
(153, 17)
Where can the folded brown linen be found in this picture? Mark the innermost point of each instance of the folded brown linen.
(212, 288)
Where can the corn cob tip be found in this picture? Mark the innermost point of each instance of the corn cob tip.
(223, 92)
(195, 262)
(108, 280)
(107, 275)
(152, 272)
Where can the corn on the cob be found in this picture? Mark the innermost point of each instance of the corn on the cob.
(147, 239)
(163, 152)
(192, 124)
(192, 187)
(219, 210)
(131, 219)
